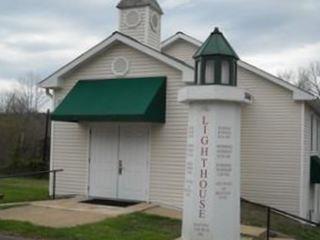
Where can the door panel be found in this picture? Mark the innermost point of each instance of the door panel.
(104, 165)
(133, 152)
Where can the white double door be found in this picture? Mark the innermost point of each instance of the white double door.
(119, 162)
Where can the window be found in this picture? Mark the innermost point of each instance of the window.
(315, 133)
(210, 73)
(225, 72)
(318, 134)
(312, 130)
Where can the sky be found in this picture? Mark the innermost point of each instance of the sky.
(42, 35)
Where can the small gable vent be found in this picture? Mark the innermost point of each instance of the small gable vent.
(120, 66)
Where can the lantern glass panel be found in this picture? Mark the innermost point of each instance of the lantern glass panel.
(199, 72)
(210, 73)
(225, 73)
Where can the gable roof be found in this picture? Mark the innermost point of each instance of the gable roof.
(53, 80)
(180, 35)
(298, 93)
(123, 4)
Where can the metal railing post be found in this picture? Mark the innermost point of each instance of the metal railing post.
(54, 185)
(268, 223)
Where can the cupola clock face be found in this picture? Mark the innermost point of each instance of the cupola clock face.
(154, 22)
(132, 18)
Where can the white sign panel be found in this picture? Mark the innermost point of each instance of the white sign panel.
(212, 183)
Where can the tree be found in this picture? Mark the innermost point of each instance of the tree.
(2, 102)
(32, 97)
(25, 98)
(307, 78)
(22, 126)
(287, 76)
(314, 77)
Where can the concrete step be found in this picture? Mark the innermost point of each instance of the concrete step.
(251, 231)
(165, 212)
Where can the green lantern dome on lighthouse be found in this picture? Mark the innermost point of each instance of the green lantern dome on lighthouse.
(216, 61)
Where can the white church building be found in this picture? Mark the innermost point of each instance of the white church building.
(119, 132)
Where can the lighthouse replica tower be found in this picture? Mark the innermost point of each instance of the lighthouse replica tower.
(212, 182)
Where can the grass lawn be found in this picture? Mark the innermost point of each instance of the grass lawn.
(256, 216)
(23, 189)
(141, 226)
(130, 227)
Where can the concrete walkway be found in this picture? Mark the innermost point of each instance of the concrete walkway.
(66, 213)
(49, 217)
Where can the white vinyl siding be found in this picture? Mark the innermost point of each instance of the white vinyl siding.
(143, 32)
(153, 38)
(270, 144)
(167, 140)
(70, 152)
(182, 50)
(137, 32)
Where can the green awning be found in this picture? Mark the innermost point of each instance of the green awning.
(129, 100)
(315, 170)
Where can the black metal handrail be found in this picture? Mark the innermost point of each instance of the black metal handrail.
(30, 174)
(280, 212)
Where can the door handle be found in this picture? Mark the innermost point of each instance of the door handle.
(120, 167)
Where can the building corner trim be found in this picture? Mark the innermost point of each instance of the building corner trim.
(302, 159)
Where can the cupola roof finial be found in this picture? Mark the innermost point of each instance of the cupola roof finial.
(216, 30)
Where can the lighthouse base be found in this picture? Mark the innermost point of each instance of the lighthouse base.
(212, 176)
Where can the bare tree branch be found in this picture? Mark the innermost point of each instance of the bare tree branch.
(307, 78)
(287, 76)
(26, 98)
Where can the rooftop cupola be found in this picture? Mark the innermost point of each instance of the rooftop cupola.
(141, 19)
(216, 61)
